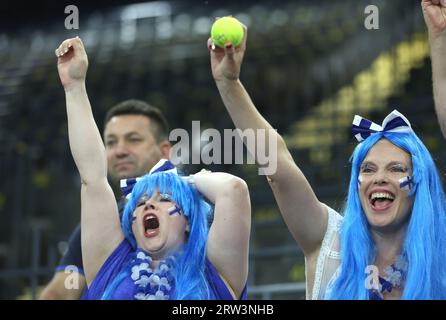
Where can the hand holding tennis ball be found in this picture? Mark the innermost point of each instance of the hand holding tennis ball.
(227, 29)
(227, 48)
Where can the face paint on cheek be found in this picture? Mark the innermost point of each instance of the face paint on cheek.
(359, 181)
(406, 184)
(175, 211)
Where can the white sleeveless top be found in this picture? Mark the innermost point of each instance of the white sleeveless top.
(328, 263)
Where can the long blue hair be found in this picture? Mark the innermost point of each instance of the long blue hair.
(424, 245)
(189, 265)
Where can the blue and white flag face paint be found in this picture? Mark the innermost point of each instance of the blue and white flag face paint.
(406, 184)
(394, 122)
(175, 211)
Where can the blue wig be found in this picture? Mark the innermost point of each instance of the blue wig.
(424, 244)
(189, 265)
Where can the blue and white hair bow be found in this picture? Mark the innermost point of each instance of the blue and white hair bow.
(394, 122)
(162, 166)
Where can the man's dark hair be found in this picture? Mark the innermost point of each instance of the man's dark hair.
(159, 125)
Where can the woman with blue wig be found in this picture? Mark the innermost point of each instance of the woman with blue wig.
(166, 247)
(390, 241)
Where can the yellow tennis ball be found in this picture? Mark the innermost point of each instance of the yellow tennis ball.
(227, 29)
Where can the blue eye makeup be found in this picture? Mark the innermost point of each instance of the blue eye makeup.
(165, 197)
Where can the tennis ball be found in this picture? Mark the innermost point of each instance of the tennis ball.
(227, 29)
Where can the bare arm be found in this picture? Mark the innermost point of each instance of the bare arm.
(304, 215)
(435, 17)
(228, 240)
(101, 231)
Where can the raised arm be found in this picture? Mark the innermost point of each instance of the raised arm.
(304, 215)
(435, 17)
(228, 240)
(101, 231)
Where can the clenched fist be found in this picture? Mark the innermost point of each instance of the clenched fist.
(72, 63)
(434, 12)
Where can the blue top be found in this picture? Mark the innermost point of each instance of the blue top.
(125, 290)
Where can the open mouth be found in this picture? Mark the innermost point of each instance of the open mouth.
(151, 225)
(381, 200)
